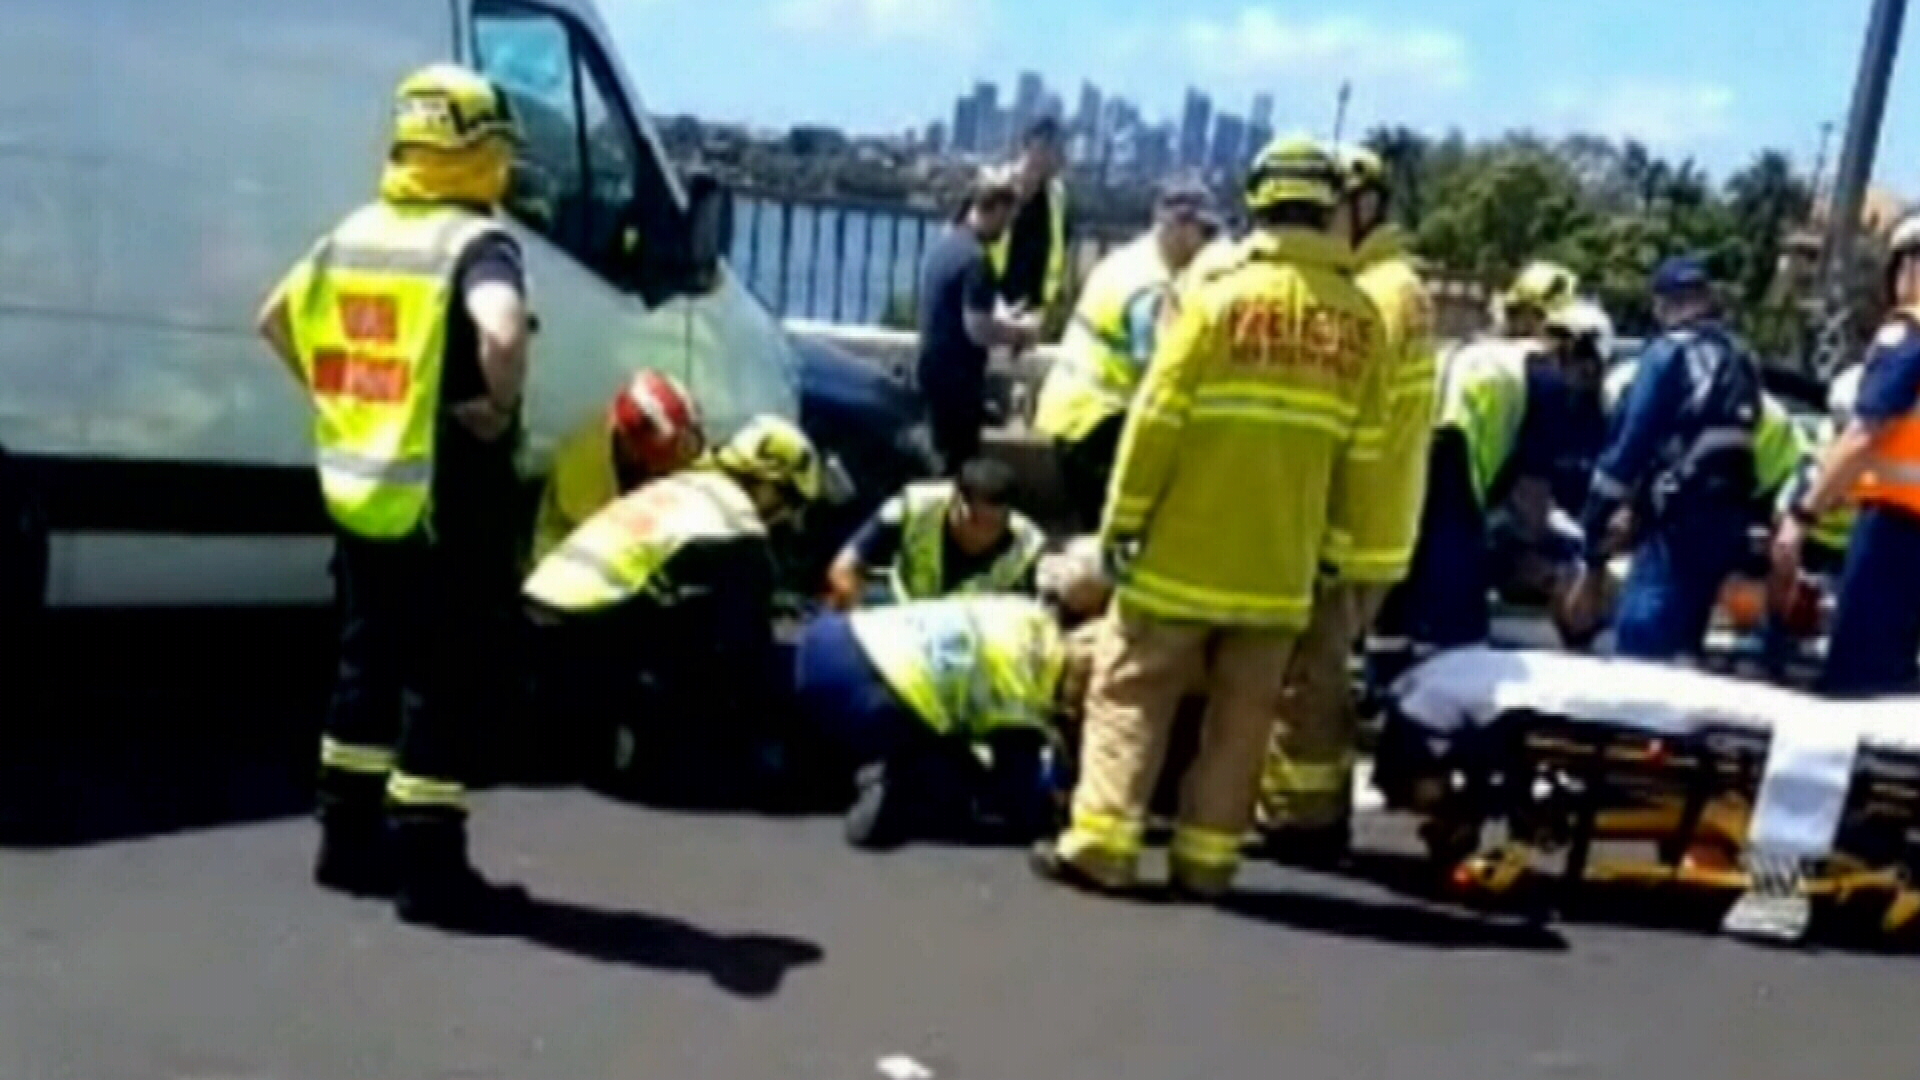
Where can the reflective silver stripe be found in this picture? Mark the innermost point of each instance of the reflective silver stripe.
(379, 260)
(1896, 472)
(438, 258)
(593, 564)
(1713, 441)
(405, 472)
(1607, 487)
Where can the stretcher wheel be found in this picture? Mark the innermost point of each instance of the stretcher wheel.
(1449, 843)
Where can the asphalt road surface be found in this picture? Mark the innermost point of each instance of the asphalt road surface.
(155, 922)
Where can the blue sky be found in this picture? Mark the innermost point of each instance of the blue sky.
(1714, 79)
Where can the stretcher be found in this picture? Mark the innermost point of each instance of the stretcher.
(1721, 778)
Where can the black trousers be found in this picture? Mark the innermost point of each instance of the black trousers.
(957, 413)
(421, 663)
(1086, 468)
(693, 685)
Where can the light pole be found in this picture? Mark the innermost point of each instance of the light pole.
(1340, 110)
(1863, 139)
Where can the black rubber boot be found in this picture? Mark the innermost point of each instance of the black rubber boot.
(355, 856)
(438, 886)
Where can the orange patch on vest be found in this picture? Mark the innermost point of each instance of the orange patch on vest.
(369, 318)
(367, 377)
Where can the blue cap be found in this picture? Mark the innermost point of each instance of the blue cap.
(1681, 272)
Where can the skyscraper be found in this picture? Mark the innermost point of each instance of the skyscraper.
(1028, 100)
(989, 122)
(966, 126)
(1229, 144)
(1262, 111)
(1260, 126)
(1195, 126)
(1087, 120)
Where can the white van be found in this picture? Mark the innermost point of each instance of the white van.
(162, 162)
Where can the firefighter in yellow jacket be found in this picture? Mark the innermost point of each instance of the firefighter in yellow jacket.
(1084, 399)
(660, 609)
(408, 327)
(1305, 792)
(651, 430)
(1266, 384)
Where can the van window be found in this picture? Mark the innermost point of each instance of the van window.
(583, 178)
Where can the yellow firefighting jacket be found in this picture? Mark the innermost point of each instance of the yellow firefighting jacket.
(1383, 497)
(1268, 380)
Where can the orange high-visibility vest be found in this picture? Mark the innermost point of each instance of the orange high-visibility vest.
(1892, 477)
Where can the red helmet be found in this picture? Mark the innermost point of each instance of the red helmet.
(657, 423)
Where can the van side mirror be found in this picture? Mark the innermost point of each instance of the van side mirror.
(709, 226)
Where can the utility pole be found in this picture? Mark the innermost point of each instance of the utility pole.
(1863, 138)
(1340, 110)
(1832, 336)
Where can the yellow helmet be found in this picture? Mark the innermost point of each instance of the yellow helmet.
(447, 107)
(774, 450)
(1544, 286)
(1365, 171)
(1294, 169)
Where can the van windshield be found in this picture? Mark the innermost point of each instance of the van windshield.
(584, 177)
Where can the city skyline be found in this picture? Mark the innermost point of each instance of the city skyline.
(1110, 131)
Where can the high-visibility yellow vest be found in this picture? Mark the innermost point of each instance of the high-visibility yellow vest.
(1056, 278)
(368, 309)
(1372, 543)
(621, 551)
(1483, 395)
(967, 665)
(582, 481)
(1777, 448)
(919, 571)
(1096, 373)
(1267, 381)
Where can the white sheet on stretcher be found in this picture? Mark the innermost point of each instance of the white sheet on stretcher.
(1814, 743)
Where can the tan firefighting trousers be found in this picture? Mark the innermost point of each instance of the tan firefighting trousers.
(1308, 779)
(1142, 669)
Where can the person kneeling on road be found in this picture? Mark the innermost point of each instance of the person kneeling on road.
(660, 609)
(942, 539)
(915, 693)
(652, 430)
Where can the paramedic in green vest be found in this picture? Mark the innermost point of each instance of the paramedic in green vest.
(1508, 410)
(408, 327)
(943, 538)
(660, 608)
(1084, 399)
(916, 695)
(1030, 258)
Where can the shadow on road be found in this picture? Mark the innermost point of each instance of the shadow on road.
(1390, 922)
(750, 965)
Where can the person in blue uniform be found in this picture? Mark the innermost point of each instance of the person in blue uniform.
(1874, 649)
(1680, 457)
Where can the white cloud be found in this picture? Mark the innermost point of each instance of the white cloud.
(1261, 43)
(943, 22)
(1662, 113)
